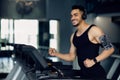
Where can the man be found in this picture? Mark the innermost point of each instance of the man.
(85, 44)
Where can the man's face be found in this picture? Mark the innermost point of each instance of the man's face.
(76, 17)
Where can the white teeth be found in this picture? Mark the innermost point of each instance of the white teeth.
(74, 21)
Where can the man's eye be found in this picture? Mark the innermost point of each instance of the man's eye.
(76, 15)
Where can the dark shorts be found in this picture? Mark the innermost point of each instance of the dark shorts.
(95, 72)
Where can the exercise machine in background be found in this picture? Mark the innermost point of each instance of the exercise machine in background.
(30, 65)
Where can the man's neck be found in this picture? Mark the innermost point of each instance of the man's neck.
(82, 27)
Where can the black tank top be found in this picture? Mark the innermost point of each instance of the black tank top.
(85, 48)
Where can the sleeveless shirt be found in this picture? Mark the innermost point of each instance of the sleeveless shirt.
(85, 48)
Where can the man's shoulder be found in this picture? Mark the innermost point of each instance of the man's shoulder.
(96, 30)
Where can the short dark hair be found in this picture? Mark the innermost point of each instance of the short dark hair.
(81, 8)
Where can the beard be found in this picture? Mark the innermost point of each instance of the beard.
(76, 24)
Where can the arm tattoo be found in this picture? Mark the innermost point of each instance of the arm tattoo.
(106, 44)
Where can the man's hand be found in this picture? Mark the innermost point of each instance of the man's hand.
(88, 63)
(52, 52)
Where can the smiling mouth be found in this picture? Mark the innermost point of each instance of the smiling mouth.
(74, 21)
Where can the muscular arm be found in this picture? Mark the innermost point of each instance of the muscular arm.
(99, 37)
(66, 56)
(106, 44)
